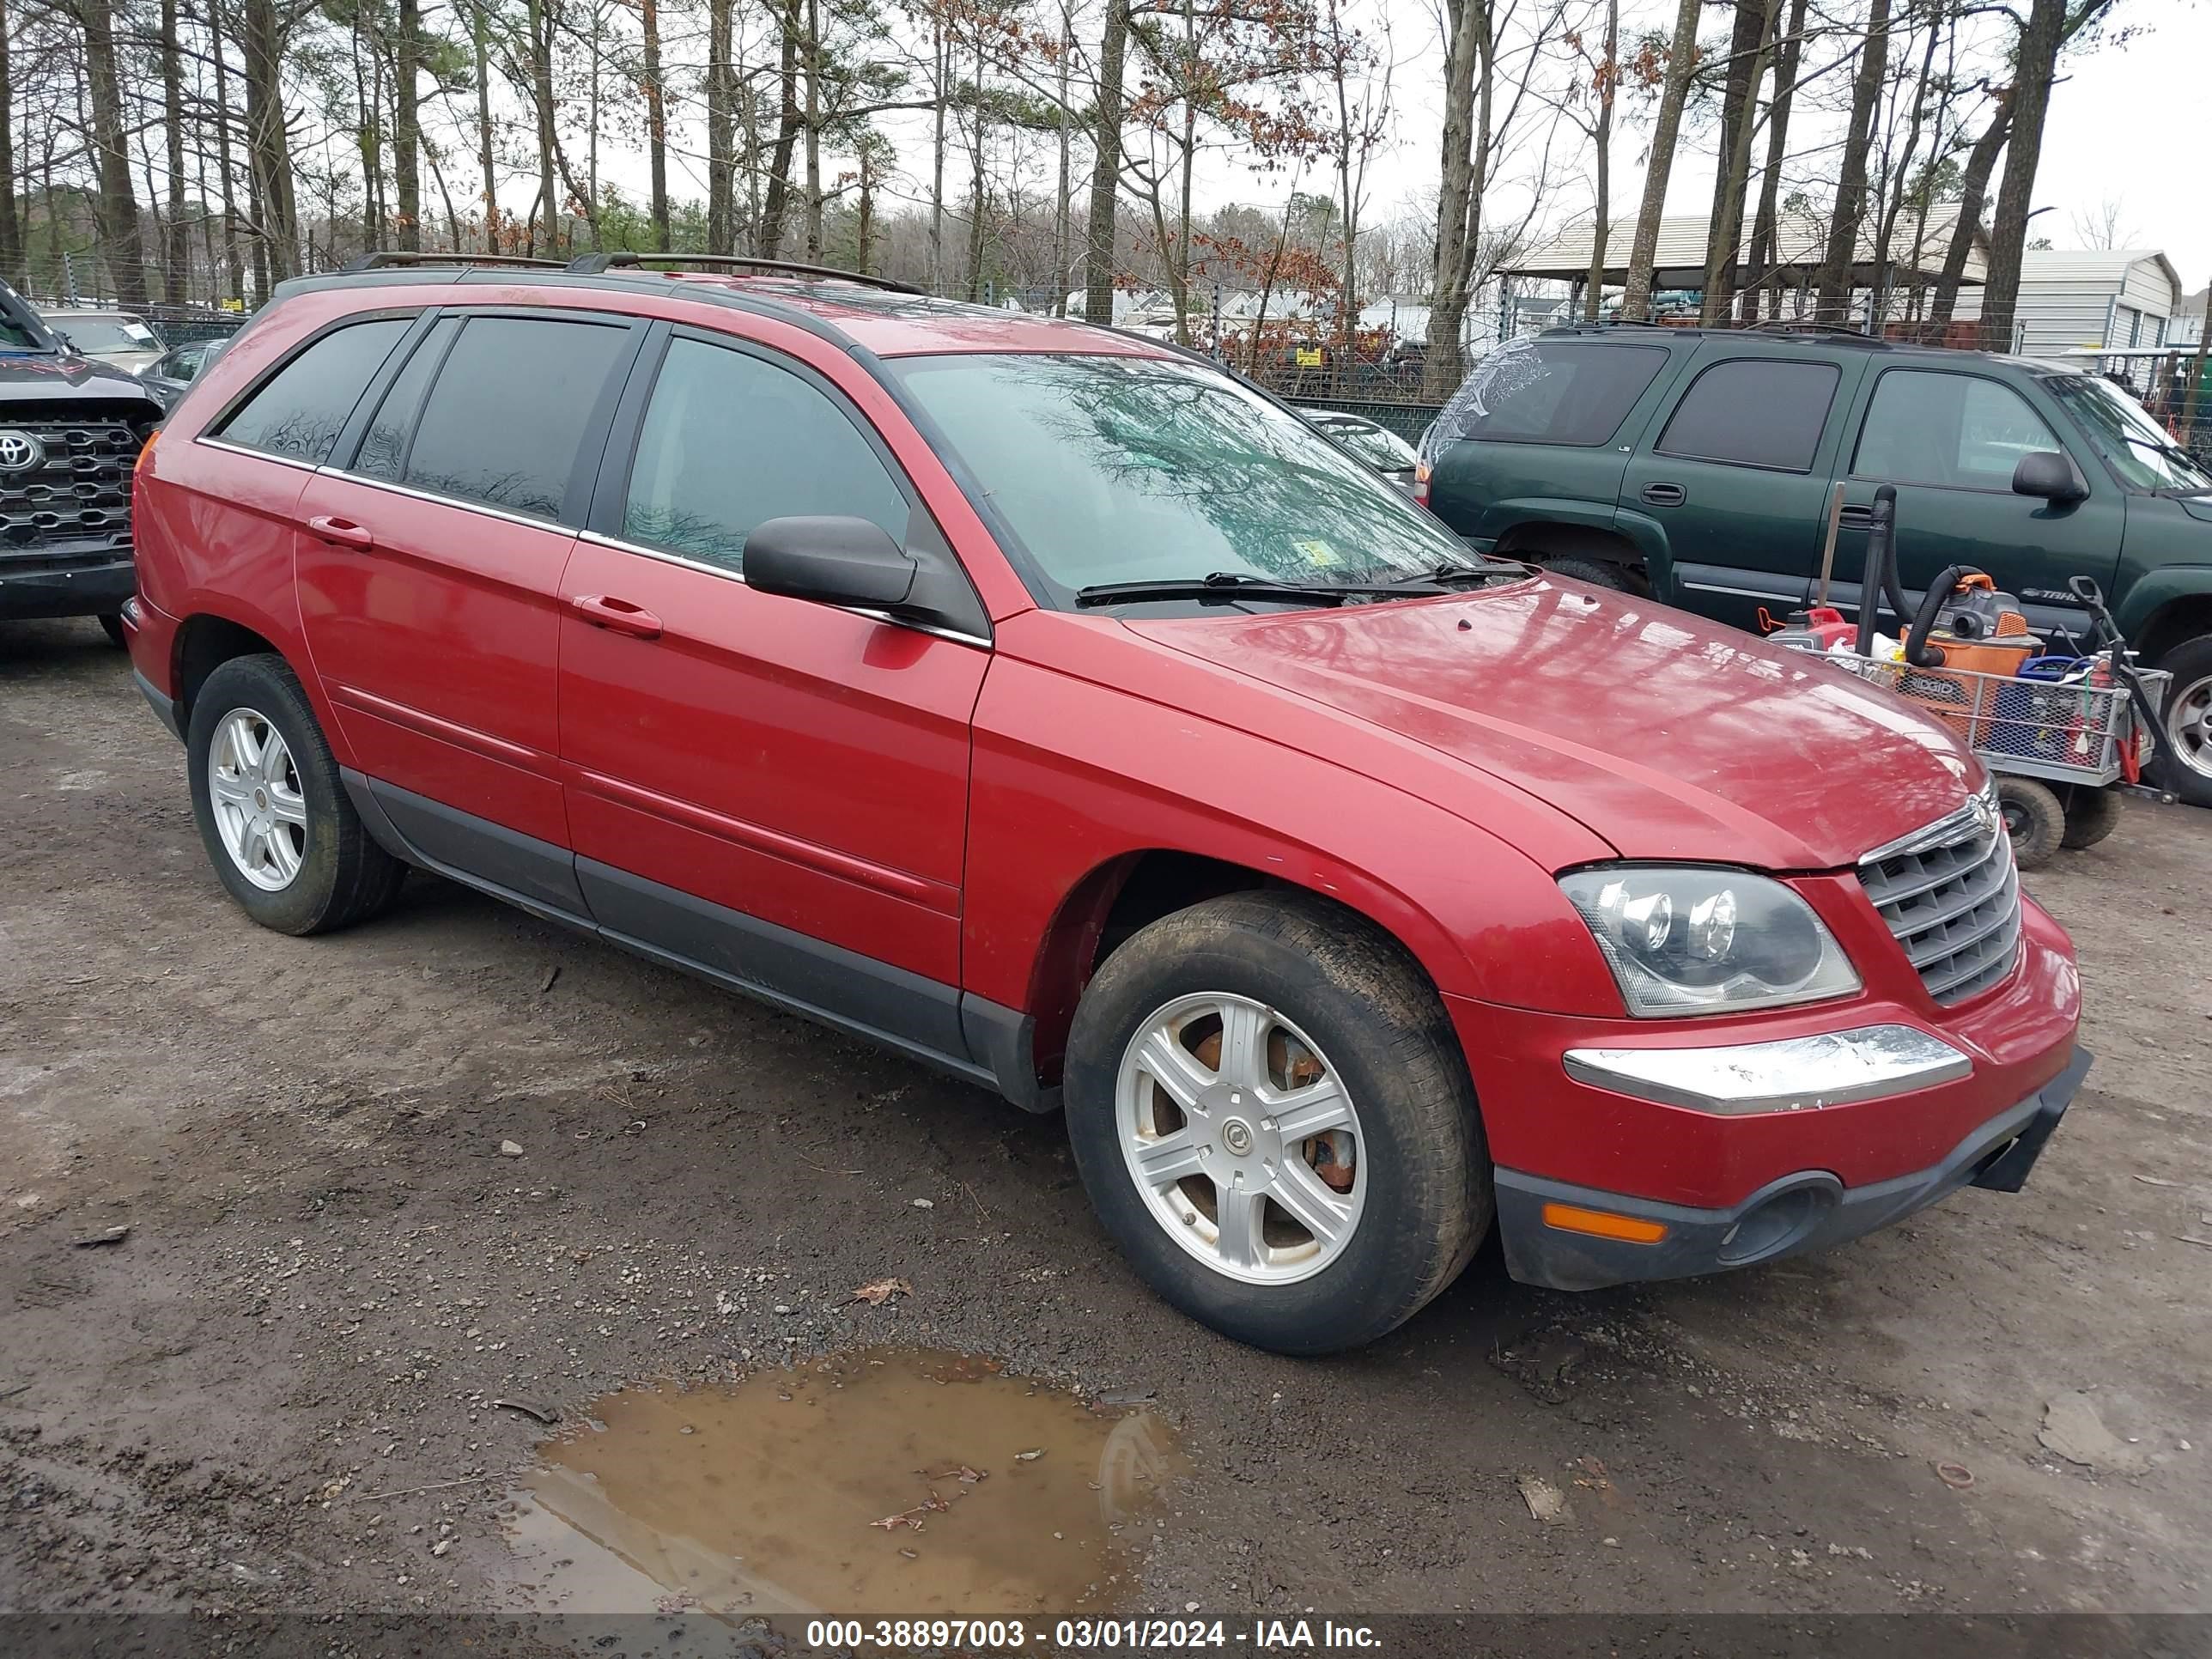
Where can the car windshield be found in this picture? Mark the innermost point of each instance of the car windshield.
(1374, 444)
(2140, 450)
(109, 334)
(1119, 469)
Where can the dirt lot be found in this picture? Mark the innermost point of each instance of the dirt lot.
(331, 1271)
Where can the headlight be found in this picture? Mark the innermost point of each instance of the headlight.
(1680, 941)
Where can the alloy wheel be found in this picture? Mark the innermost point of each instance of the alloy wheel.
(1241, 1138)
(2189, 724)
(260, 813)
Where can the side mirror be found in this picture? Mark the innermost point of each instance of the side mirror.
(831, 561)
(2050, 475)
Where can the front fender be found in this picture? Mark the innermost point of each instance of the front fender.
(2142, 598)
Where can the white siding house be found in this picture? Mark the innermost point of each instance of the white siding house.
(2070, 299)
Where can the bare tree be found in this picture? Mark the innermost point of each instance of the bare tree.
(1681, 63)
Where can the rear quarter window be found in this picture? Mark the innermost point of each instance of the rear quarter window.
(298, 411)
(1556, 391)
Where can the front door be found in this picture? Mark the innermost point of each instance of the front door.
(772, 790)
(429, 569)
(1737, 480)
(1948, 439)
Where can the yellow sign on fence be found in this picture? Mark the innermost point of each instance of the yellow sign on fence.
(1309, 356)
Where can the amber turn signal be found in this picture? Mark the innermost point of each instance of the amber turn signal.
(1603, 1224)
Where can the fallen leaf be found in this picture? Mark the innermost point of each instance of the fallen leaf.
(1028, 1456)
(878, 1292)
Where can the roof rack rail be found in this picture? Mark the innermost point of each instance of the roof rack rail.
(1808, 325)
(592, 264)
(386, 258)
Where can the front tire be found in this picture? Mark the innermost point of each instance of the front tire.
(110, 623)
(273, 813)
(1596, 572)
(1272, 1115)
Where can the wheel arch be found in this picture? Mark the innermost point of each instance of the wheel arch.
(1539, 540)
(2176, 621)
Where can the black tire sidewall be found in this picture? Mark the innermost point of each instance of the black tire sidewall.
(2038, 839)
(2091, 815)
(1390, 1266)
(1596, 572)
(268, 687)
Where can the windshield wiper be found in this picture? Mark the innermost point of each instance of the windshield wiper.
(1232, 584)
(1490, 570)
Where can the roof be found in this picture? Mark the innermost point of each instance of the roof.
(885, 323)
(1848, 338)
(2069, 263)
(1800, 245)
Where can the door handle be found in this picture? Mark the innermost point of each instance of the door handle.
(1665, 494)
(616, 615)
(1856, 516)
(340, 533)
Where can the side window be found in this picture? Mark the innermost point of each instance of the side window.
(1559, 391)
(730, 441)
(384, 446)
(1756, 412)
(503, 421)
(301, 410)
(1954, 431)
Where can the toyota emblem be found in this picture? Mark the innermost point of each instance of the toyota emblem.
(20, 451)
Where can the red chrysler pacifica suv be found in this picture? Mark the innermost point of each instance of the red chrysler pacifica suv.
(1048, 705)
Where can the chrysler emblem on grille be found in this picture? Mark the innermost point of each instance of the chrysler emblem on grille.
(20, 451)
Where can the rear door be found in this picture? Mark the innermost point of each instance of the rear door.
(429, 566)
(773, 790)
(1948, 438)
(1733, 480)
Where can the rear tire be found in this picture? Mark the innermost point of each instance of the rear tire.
(2092, 815)
(2188, 713)
(1596, 572)
(2037, 821)
(1403, 1185)
(272, 811)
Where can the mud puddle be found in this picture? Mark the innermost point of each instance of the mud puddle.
(896, 1481)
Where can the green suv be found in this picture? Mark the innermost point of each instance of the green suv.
(1697, 465)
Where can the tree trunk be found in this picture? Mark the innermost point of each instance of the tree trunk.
(1750, 46)
(788, 121)
(538, 14)
(1601, 136)
(176, 261)
(1459, 195)
(1900, 173)
(1681, 62)
(2036, 63)
(1763, 227)
(1106, 170)
(1973, 192)
(941, 64)
(1065, 201)
(479, 38)
(407, 124)
(1833, 303)
(656, 122)
(976, 185)
(867, 225)
(117, 206)
(814, 44)
(234, 265)
(12, 226)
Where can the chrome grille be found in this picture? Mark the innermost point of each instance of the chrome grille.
(76, 499)
(1951, 896)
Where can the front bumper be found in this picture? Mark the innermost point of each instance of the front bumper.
(95, 590)
(1808, 1210)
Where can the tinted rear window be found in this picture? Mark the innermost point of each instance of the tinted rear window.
(502, 424)
(301, 410)
(1756, 412)
(1561, 392)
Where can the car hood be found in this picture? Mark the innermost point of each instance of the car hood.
(1668, 736)
(64, 377)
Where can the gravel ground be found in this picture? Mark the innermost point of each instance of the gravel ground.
(331, 1270)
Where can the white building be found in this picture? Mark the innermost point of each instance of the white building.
(2070, 299)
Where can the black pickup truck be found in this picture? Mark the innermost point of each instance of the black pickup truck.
(71, 430)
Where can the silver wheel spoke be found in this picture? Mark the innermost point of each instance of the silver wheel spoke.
(1243, 1054)
(1314, 1109)
(288, 806)
(1173, 1067)
(1322, 1213)
(1170, 1158)
(1237, 1224)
